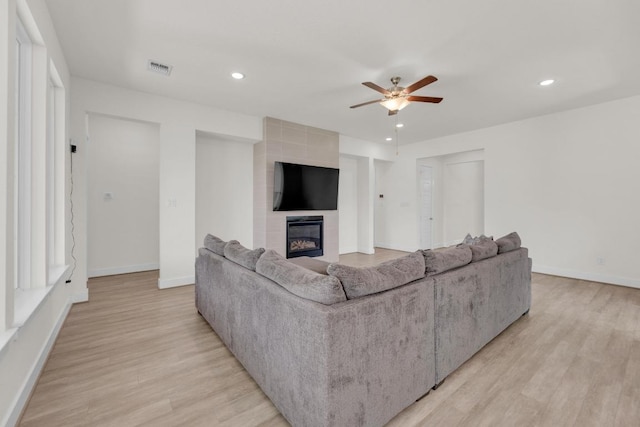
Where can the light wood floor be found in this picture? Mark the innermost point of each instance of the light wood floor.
(136, 355)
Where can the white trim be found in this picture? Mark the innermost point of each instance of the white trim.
(437, 245)
(395, 247)
(110, 271)
(79, 297)
(23, 157)
(5, 338)
(592, 277)
(30, 382)
(27, 301)
(369, 250)
(348, 250)
(176, 281)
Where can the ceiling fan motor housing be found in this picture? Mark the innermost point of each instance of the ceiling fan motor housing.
(395, 90)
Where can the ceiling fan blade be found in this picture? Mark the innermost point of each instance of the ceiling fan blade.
(377, 88)
(366, 103)
(393, 112)
(420, 83)
(424, 99)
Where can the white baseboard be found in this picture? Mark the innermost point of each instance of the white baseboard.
(395, 247)
(175, 282)
(32, 379)
(592, 277)
(123, 270)
(368, 251)
(80, 297)
(436, 245)
(453, 242)
(348, 250)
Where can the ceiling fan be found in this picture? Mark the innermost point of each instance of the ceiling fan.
(398, 97)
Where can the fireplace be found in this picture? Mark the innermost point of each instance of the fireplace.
(304, 236)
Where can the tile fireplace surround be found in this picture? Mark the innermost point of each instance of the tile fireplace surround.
(292, 143)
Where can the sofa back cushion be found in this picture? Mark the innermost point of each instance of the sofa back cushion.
(214, 244)
(508, 243)
(361, 281)
(299, 280)
(317, 265)
(483, 249)
(446, 259)
(237, 253)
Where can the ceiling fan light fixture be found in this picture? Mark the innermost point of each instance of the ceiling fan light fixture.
(395, 104)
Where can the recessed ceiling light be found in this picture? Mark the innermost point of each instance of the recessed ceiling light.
(389, 139)
(399, 125)
(237, 76)
(546, 82)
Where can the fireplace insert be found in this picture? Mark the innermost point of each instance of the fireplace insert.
(305, 236)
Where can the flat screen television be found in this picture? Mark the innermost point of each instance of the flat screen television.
(304, 188)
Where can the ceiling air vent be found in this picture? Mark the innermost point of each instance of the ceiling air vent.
(159, 68)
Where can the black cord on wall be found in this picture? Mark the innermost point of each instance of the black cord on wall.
(73, 227)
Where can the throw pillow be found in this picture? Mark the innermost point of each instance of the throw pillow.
(469, 240)
(237, 253)
(508, 243)
(446, 259)
(214, 244)
(299, 280)
(358, 282)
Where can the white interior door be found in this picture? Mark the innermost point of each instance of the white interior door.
(426, 206)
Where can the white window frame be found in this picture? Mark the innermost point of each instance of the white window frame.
(55, 176)
(22, 191)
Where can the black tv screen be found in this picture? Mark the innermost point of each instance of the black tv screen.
(304, 188)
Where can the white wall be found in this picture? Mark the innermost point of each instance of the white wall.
(348, 205)
(224, 189)
(565, 182)
(366, 189)
(463, 204)
(123, 230)
(179, 121)
(387, 198)
(367, 154)
(463, 200)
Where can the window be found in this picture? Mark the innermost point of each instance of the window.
(38, 178)
(51, 175)
(22, 178)
(55, 175)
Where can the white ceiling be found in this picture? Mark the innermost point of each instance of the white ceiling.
(305, 59)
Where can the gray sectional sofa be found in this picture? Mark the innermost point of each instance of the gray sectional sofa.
(333, 345)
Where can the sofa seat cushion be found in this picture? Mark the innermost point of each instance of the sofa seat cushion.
(237, 253)
(445, 259)
(508, 243)
(299, 280)
(317, 265)
(361, 281)
(214, 244)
